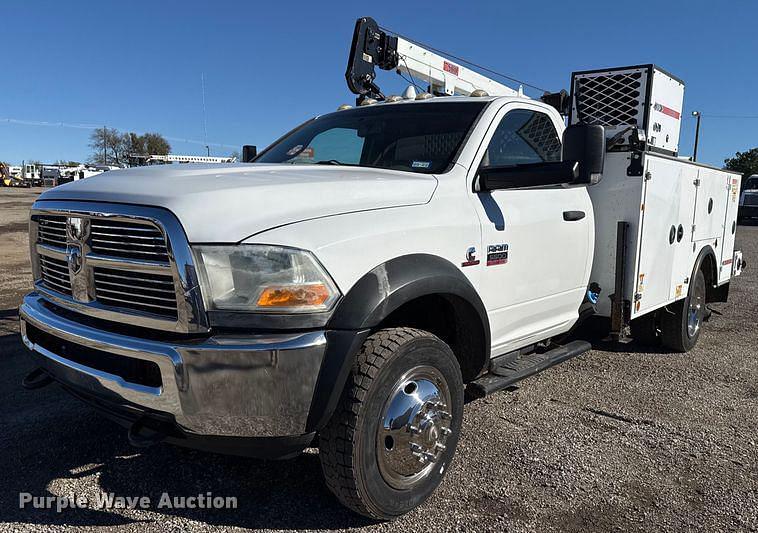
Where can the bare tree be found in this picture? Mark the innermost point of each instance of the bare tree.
(110, 147)
(107, 146)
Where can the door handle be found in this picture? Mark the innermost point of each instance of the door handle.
(571, 216)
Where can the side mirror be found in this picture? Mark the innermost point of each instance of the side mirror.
(249, 152)
(526, 175)
(585, 144)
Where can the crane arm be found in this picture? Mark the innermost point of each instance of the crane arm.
(373, 48)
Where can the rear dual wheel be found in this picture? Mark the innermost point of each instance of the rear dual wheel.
(395, 430)
(682, 321)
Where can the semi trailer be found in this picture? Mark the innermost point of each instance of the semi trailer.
(354, 281)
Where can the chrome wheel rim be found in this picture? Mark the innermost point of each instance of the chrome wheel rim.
(414, 428)
(696, 310)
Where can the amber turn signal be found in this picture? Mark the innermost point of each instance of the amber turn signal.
(294, 296)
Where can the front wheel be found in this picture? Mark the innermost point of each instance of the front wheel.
(682, 321)
(393, 435)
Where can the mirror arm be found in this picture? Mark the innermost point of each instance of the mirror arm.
(528, 175)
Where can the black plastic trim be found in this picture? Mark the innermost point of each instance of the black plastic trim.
(341, 348)
(372, 299)
(711, 289)
(389, 285)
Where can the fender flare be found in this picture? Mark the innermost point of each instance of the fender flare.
(389, 285)
(373, 298)
(712, 290)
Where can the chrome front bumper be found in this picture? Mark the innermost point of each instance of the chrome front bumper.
(241, 386)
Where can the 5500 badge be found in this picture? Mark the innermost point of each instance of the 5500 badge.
(497, 254)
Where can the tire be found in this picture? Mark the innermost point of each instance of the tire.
(645, 330)
(380, 472)
(678, 331)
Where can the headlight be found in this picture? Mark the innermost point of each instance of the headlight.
(264, 279)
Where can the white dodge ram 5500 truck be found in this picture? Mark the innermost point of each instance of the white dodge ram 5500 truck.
(351, 282)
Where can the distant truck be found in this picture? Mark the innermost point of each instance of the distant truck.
(375, 264)
(51, 176)
(80, 172)
(749, 199)
(32, 175)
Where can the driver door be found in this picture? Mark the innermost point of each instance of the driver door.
(537, 240)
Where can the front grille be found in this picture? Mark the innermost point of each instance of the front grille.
(751, 199)
(52, 230)
(120, 263)
(55, 274)
(140, 291)
(128, 240)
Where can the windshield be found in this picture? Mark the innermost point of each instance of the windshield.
(751, 184)
(422, 137)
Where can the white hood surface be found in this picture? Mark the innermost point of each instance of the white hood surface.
(228, 203)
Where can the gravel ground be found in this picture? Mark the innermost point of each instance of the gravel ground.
(626, 440)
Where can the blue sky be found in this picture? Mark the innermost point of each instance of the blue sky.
(268, 66)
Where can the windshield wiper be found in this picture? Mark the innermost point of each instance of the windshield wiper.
(329, 162)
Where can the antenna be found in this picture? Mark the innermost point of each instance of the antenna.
(205, 121)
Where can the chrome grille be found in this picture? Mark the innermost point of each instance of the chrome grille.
(140, 291)
(55, 274)
(123, 263)
(128, 239)
(52, 230)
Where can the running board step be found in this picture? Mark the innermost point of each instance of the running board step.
(521, 367)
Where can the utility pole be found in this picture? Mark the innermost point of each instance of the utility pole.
(697, 134)
(105, 145)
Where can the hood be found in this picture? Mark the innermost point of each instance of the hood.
(228, 203)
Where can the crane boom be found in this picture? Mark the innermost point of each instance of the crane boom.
(373, 47)
(444, 76)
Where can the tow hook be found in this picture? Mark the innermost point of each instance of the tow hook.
(142, 436)
(36, 379)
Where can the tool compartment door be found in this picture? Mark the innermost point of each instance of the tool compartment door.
(730, 227)
(710, 205)
(684, 255)
(669, 197)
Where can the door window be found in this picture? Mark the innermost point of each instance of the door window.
(523, 137)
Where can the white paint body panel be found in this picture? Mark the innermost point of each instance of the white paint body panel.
(355, 219)
(538, 292)
(663, 129)
(658, 271)
(533, 297)
(228, 203)
(729, 266)
(615, 198)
